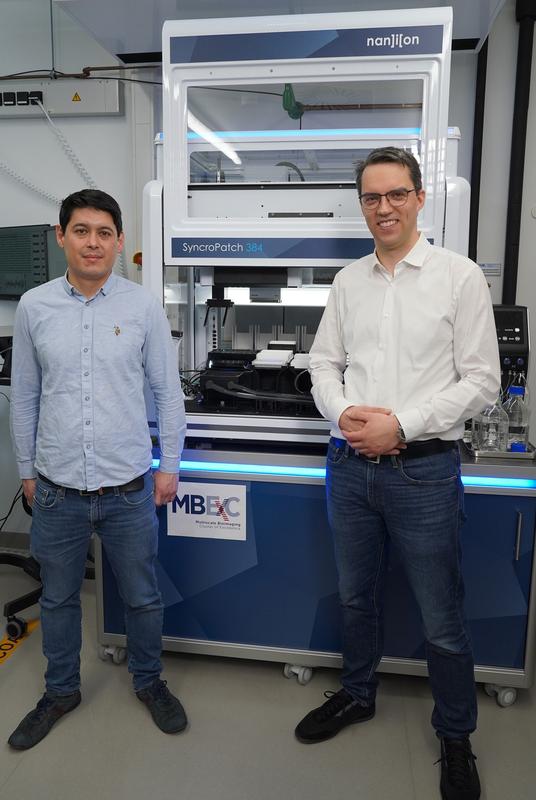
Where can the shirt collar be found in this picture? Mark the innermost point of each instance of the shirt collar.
(415, 258)
(105, 289)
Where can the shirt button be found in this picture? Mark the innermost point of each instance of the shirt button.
(86, 397)
(86, 327)
(88, 422)
(88, 447)
(85, 349)
(86, 374)
(86, 303)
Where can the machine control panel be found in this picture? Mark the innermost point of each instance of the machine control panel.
(511, 323)
(512, 326)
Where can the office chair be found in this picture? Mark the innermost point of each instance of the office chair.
(15, 626)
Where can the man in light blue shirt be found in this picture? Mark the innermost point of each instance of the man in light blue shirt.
(83, 346)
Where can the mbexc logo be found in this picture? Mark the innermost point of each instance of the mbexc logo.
(208, 510)
(394, 40)
(211, 505)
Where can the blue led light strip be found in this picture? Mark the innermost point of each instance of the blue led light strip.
(320, 473)
(310, 132)
(250, 469)
(499, 483)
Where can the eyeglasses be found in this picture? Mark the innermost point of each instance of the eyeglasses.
(396, 197)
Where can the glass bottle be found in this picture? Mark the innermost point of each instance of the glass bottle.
(518, 414)
(493, 428)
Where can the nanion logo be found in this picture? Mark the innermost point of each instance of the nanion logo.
(209, 505)
(393, 40)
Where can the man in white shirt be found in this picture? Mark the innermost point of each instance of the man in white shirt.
(406, 351)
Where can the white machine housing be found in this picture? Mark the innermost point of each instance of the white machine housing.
(220, 202)
(208, 225)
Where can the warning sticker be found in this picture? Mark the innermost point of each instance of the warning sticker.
(76, 98)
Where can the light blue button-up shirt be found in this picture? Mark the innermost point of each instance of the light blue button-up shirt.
(78, 413)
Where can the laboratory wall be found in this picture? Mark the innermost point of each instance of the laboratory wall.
(107, 147)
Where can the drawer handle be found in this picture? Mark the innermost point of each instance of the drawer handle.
(518, 535)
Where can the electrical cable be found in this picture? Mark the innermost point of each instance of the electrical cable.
(271, 395)
(30, 73)
(290, 398)
(125, 80)
(75, 161)
(242, 91)
(297, 378)
(122, 266)
(28, 184)
(18, 495)
(52, 41)
(54, 74)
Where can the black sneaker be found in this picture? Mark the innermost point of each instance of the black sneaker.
(459, 775)
(38, 722)
(165, 708)
(336, 713)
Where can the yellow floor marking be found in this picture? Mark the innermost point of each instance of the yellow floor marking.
(8, 646)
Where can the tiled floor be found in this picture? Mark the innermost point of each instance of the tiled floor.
(240, 743)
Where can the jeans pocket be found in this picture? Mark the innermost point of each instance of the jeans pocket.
(441, 468)
(336, 453)
(133, 499)
(45, 496)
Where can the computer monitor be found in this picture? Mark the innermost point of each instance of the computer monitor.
(29, 256)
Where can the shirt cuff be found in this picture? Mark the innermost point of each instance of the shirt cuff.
(169, 464)
(411, 423)
(27, 470)
(338, 408)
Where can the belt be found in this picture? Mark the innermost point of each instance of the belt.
(428, 447)
(132, 486)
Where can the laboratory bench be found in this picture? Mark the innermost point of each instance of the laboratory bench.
(246, 569)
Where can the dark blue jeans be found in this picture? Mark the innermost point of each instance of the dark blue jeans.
(62, 524)
(417, 504)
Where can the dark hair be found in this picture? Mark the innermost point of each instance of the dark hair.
(390, 155)
(90, 198)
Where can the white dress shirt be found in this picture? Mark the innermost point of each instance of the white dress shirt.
(421, 342)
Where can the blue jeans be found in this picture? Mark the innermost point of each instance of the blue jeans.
(418, 505)
(126, 522)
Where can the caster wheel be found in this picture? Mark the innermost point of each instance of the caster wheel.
(119, 655)
(16, 627)
(490, 689)
(304, 675)
(288, 672)
(506, 696)
(103, 653)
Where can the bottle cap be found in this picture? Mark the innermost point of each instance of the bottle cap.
(518, 447)
(517, 390)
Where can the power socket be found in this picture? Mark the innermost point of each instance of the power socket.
(62, 97)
